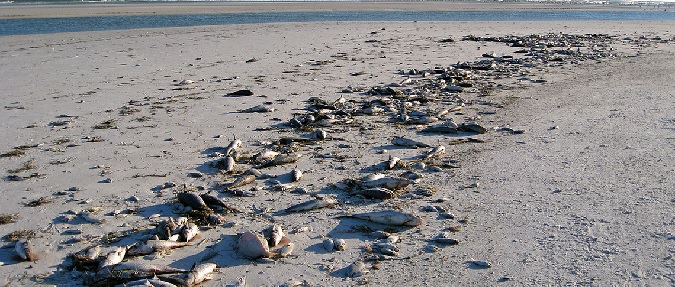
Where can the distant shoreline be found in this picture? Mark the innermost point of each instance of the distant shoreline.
(18, 10)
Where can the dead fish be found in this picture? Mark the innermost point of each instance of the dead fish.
(296, 175)
(357, 269)
(435, 152)
(192, 200)
(240, 93)
(265, 155)
(312, 204)
(472, 127)
(285, 250)
(241, 181)
(24, 250)
(281, 159)
(114, 257)
(258, 109)
(235, 144)
(229, 164)
(381, 180)
(93, 253)
(329, 244)
(445, 239)
(386, 248)
(276, 235)
(200, 273)
(214, 201)
(479, 264)
(404, 142)
(390, 217)
(189, 231)
(185, 82)
(339, 244)
(148, 283)
(253, 246)
(393, 162)
(151, 246)
(448, 127)
(422, 120)
(144, 268)
(378, 193)
(320, 134)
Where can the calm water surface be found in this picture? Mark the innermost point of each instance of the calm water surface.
(78, 24)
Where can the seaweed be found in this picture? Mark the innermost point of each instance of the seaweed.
(37, 202)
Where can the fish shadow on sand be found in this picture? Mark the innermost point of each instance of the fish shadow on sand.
(164, 210)
(354, 228)
(341, 273)
(210, 167)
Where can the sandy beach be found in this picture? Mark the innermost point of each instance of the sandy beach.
(570, 183)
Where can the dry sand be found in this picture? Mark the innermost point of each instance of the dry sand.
(583, 197)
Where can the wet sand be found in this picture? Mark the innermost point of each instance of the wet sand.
(571, 184)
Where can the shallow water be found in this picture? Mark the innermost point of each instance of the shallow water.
(79, 24)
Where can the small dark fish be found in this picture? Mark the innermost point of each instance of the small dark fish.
(240, 93)
(212, 200)
(378, 193)
(192, 200)
(281, 160)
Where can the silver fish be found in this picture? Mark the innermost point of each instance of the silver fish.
(258, 109)
(339, 244)
(357, 269)
(276, 235)
(93, 253)
(24, 250)
(189, 231)
(114, 257)
(296, 174)
(312, 204)
(435, 152)
(281, 159)
(381, 180)
(390, 217)
(393, 162)
(404, 142)
(235, 144)
(155, 245)
(199, 273)
(130, 270)
(329, 244)
(265, 155)
(447, 127)
(229, 164)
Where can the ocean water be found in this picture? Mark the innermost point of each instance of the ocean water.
(79, 24)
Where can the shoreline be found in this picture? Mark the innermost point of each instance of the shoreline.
(14, 11)
(120, 122)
